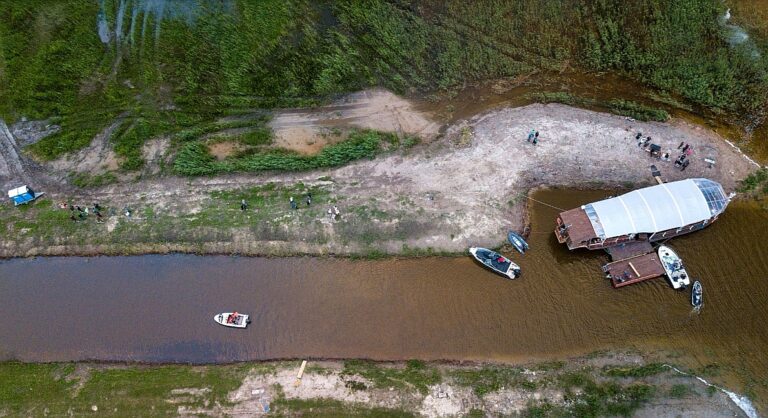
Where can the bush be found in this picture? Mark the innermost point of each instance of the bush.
(752, 181)
(194, 159)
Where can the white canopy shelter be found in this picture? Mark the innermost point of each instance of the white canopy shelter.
(657, 208)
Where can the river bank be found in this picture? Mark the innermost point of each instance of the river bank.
(466, 188)
(615, 383)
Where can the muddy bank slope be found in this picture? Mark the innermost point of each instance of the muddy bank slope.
(465, 189)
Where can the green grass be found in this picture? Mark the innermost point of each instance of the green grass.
(416, 374)
(491, 379)
(27, 386)
(755, 182)
(639, 371)
(29, 389)
(637, 111)
(618, 106)
(92, 180)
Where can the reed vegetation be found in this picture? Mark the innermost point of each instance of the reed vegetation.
(277, 53)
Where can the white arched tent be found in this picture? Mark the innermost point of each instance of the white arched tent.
(657, 208)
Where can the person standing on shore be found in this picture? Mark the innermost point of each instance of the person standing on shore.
(536, 138)
(531, 134)
(243, 205)
(293, 204)
(309, 199)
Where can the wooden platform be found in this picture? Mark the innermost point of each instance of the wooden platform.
(629, 250)
(634, 269)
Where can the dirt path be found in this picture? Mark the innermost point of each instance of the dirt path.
(12, 172)
(465, 189)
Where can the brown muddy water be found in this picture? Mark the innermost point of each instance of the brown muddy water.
(161, 308)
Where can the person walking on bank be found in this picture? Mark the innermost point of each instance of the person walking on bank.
(309, 199)
(243, 205)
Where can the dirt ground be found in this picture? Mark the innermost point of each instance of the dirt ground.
(466, 187)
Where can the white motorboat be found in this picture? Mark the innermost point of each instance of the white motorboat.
(232, 319)
(496, 262)
(673, 266)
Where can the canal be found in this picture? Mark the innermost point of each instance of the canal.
(161, 308)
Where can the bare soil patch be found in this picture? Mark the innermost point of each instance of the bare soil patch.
(308, 130)
(224, 149)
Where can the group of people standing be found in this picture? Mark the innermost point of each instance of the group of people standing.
(533, 136)
(333, 212)
(80, 214)
(686, 150)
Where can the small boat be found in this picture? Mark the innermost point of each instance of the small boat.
(496, 262)
(232, 319)
(697, 295)
(517, 241)
(673, 266)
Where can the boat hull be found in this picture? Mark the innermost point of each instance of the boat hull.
(517, 241)
(495, 262)
(240, 322)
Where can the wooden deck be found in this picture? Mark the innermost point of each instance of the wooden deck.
(629, 250)
(634, 270)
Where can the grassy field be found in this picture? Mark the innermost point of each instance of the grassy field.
(274, 53)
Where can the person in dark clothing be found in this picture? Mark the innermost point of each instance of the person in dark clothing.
(243, 205)
(638, 136)
(681, 145)
(685, 164)
(79, 209)
(685, 148)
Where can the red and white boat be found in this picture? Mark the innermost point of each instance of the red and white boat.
(232, 319)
